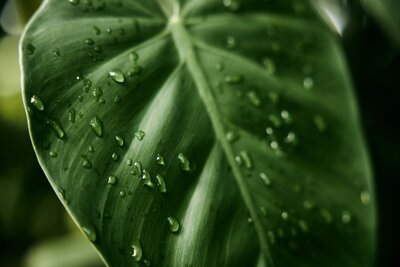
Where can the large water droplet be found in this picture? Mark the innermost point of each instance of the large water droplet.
(56, 126)
(137, 252)
(173, 224)
(140, 135)
(90, 233)
(117, 75)
(97, 126)
(37, 102)
(146, 179)
(161, 183)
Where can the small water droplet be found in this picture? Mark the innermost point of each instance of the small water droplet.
(239, 160)
(119, 140)
(71, 115)
(346, 217)
(275, 120)
(327, 216)
(91, 148)
(231, 136)
(115, 156)
(37, 102)
(365, 197)
(269, 66)
(117, 75)
(31, 49)
(308, 83)
(219, 66)
(53, 154)
(73, 2)
(133, 56)
(56, 52)
(234, 79)
(286, 116)
(146, 179)
(161, 183)
(140, 135)
(173, 224)
(97, 30)
(303, 226)
(254, 99)
(291, 138)
(135, 71)
(285, 215)
(56, 126)
(269, 131)
(320, 123)
(137, 252)
(89, 41)
(231, 42)
(122, 194)
(160, 160)
(87, 84)
(112, 180)
(137, 169)
(97, 93)
(90, 233)
(184, 163)
(233, 5)
(97, 126)
(248, 163)
(308, 205)
(265, 179)
(86, 163)
(129, 162)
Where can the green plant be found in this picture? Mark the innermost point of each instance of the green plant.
(200, 133)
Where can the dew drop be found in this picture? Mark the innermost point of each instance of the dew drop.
(97, 30)
(56, 52)
(320, 123)
(112, 180)
(365, 197)
(115, 156)
(146, 179)
(90, 233)
(73, 2)
(269, 66)
(97, 93)
(71, 115)
(56, 128)
(31, 49)
(119, 140)
(234, 79)
(135, 71)
(254, 99)
(327, 216)
(184, 163)
(285, 215)
(122, 194)
(308, 205)
(303, 226)
(86, 163)
(265, 179)
(160, 160)
(133, 56)
(37, 102)
(91, 148)
(173, 224)
(137, 169)
(291, 138)
(140, 135)
(231, 136)
(346, 217)
(231, 42)
(308, 83)
(233, 5)
(97, 126)
(129, 162)
(137, 252)
(53, 154)
(161, 183)
(248, 163)
(239, 160)
(89, 41)
(117, 75)
(286, 116)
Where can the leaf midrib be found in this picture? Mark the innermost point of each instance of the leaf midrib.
(186, 50)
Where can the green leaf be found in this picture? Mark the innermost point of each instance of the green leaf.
(200, 133)
(386, 12)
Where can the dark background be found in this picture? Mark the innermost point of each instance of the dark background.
(375, 67)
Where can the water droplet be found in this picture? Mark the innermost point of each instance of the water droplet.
(269, 66)
(254, 99)
(73, 2)
(291, 138)
(140, 135)
(133, 56)
(320, 123)
(308, 205)
(285, 215)
(303, 226)
(90, 233)
(173, 224)
(327, 216)
(234, 79)
(56, 52)
(89, 41)
(161, 183)
(308, 83)
(137, 252)
(91, 148)
(129, 162)
(97, 126)
(53, 154)
(286, 116)
(365, 197)
(119, 140)
(71, 115)
(117, 75)
(346, 217)
(265, 179)
(135, 70)
(122, 194)
(275, 120)
(219, 66)
(160, 160)
(86, 163)
(97, 93)
(115, 156)
(146, 179)
(97, 30)
(31, 49)
(112, 180)
(231, 136)
(248, 163)
(269, 131)
(231, 42)
(239, 160)
(56, 128)
(137, 169)
(37, 103)
(87, 84)
(233, 5)
(184, 162)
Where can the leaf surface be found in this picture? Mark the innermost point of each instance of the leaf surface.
(200, 133)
